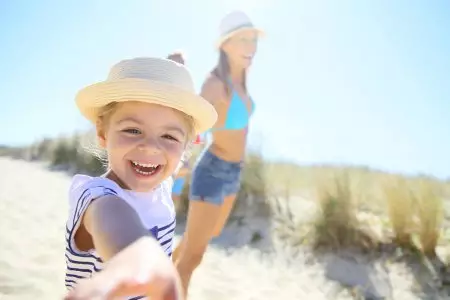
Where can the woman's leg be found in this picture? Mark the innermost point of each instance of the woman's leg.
(202, 219)
(225, 212)
(231, 190)
(212, 179)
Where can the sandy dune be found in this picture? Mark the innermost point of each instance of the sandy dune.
(33, 206)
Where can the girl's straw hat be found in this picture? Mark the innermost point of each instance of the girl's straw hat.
(151, 80)
(235, 22)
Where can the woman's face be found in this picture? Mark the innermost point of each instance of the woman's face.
(241, 48)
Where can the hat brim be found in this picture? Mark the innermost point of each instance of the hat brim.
(93, 97)
(224, 38)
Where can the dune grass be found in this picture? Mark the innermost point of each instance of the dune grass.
(337, 223)
(350, 202)
(400, 205)
(430, 212)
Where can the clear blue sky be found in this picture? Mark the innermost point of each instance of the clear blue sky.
(353, 82)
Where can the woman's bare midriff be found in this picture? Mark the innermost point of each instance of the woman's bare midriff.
(229, 145)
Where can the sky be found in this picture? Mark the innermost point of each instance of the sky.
(335, 82)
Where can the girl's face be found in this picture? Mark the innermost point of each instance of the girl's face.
(144, 142)
(241, 48)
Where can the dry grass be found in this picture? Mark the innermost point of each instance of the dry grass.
(400, 207)
(430, 212)
(337, 224)
(353, 203)
(416, 209)
(350, 201)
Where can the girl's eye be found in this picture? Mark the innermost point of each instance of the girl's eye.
(132, 131)
(170, 137)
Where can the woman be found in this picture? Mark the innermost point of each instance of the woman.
(216, 176)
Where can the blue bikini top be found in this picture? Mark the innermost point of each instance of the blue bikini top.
(238, 115)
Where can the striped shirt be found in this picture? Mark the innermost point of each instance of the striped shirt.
(154, 208)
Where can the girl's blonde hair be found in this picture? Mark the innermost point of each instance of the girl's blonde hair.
(106, 112)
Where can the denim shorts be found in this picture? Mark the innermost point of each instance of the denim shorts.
(213, 179)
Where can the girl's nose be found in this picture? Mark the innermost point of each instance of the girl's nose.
(150, 145)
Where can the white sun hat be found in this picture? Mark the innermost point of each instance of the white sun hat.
(151, 80)
(235, 22)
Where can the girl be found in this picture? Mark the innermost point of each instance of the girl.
(216, 176)
(146, 113)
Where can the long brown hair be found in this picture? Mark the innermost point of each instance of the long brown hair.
(222, 71)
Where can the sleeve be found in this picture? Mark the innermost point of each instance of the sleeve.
(81, 194)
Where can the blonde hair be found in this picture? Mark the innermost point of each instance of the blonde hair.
(107, 111)
(222, 71)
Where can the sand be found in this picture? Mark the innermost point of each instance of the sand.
(33, 206)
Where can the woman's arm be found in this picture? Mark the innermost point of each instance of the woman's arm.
(214, 91)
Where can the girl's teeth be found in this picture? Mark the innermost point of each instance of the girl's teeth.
(144, 165)
(145, 169)
(142, 172)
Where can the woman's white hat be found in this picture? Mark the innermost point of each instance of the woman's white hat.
(234, 22)
(151, 80)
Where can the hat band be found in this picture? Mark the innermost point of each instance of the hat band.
(241, 26)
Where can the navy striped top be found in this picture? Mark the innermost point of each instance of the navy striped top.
(155, 209)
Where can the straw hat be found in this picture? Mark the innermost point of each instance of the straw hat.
(151, 80)
(235, 22)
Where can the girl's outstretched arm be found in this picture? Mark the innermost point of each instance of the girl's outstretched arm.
(112, 225)
(135, 264)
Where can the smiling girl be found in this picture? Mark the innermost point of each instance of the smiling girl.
(121, 224)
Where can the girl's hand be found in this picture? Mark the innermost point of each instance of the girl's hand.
(141, 269)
